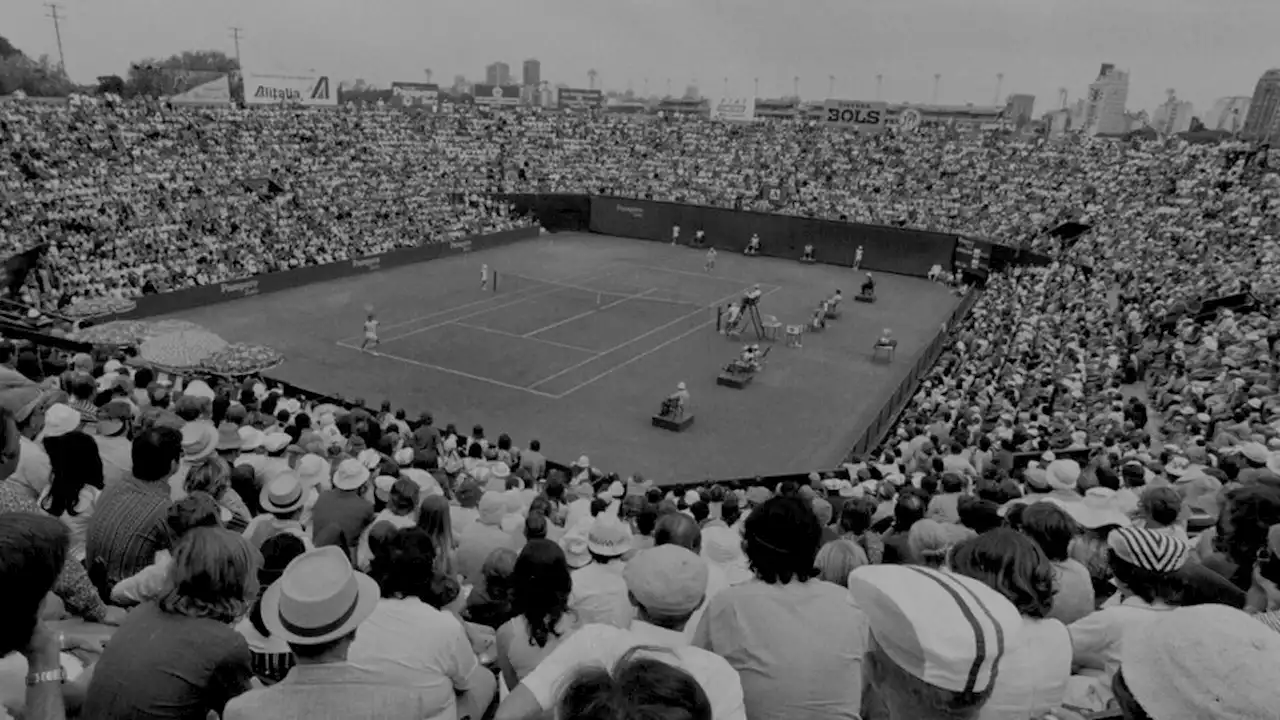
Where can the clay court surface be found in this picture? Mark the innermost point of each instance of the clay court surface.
(584, 337)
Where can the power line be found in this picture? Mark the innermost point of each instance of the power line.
(235, 35)
(57, 31)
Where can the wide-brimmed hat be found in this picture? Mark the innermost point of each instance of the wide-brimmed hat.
(1099, 507)
(250, 438)
(199, 441)
(608, 536)
(59, 420)
(350, 475)
(276, 442)
(1203, 661)
(576, 552)
(283, 495)
(319, 598)
(113, 416)
(228, 437)
(313, 470)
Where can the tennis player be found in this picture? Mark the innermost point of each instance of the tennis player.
(484, 276)
(370, 334)
(711, 260)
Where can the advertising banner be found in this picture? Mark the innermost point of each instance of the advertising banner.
(216, 91)
(734, 109)
(496, 94)
(177, 300)
(308, 90)
(862, 116)
(415, 94)
(579, 98)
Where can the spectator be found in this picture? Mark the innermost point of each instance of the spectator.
(1034, 670)
(434, 517)
(115, 426)
(196, 510)
(282, 501)
(837, 559)
(666, 583)
(1051, 528)
(316, 607)
(490, 603)
(272, 659)
(180, 656)
(482, 537)
(344, 508)
(929, 655)
(796, 641)
(129, 521)
(540, 596)
(410, 644)
(74, 485)
(634, 687)
(599, 590)
(213, 477)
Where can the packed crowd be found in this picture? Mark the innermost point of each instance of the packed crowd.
(1078, 512)
(135, 197)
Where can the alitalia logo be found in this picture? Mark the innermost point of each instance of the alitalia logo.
(319, 91)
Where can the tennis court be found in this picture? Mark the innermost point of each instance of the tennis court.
(583, 336)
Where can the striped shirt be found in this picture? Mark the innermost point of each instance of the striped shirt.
(128, 528)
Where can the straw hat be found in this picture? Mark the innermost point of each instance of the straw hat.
(320, 598)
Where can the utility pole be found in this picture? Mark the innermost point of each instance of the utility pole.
(57, 31)
(879, 86)
(756, 85)
(235, 36)
(937, 78)
(999, 85)
(831, 86)
(795, 86)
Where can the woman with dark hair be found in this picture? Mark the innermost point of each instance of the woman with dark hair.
(636, 688)
(489, 604)
(75, 480)
(434, 519)
(1050, 527)
(409, 642)
(180, 657)
(796, 641)
(1034, 671)
(1247, 515)
(272, 658)
(540, 594)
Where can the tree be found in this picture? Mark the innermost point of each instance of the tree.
(113, 84)
(172, 75)
(7, 49)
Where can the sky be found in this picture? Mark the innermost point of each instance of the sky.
(1198, 48)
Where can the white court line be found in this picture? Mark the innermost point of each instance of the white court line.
(615, 348)
(451, 371)
(690, 273)
(517, 301)
(504, 333)
(481, 301)
(579, 316)
(644, 354)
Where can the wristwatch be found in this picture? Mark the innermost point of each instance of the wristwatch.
(46, 676)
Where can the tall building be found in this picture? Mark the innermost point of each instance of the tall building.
(1104, 104)
(1173, 116)
(498, 73)
(1263, 120)
(1019, 108)
(1228, 114)
(532, 74)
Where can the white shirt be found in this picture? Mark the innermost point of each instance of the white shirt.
(78, 524)
(1033, 673)
(1097, 638)
(603, 645)
(599, 594)
(410, 643)
(717, 580)
(34, 468)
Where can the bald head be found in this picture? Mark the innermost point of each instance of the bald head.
(678, 529)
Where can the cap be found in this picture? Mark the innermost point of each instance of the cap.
(947, 630)
(1149, 549)
(667, 580)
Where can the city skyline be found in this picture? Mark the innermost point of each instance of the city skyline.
(1038, 46)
